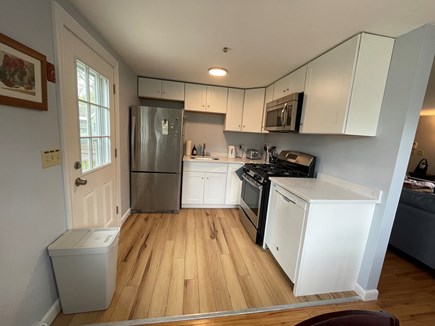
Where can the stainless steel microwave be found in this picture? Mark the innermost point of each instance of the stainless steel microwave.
(284, 114)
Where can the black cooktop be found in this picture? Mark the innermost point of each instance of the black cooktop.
(288, 164)
(272, 170)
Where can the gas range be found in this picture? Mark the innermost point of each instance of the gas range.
(289, 164)
(256, 186)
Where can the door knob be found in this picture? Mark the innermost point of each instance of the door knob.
(80, 182)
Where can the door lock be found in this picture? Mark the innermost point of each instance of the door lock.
(80, 182)
(77, 165)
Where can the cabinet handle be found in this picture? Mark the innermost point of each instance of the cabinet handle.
(285, 198)
(277, 249)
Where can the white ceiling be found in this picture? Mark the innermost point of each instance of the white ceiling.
(181, 39)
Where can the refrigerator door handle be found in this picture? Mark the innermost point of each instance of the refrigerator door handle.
(132, 142)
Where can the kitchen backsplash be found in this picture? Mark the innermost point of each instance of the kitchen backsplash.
(208, 128)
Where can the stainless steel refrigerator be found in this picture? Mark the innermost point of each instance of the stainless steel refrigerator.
(156, 151)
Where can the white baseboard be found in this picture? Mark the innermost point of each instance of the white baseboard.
(366, 295)
(52, 313)
(124, 217)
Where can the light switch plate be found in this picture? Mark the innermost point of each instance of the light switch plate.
(50, 158)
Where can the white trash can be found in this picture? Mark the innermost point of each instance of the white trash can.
(84, 264)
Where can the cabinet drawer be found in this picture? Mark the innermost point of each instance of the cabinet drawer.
(205, 167)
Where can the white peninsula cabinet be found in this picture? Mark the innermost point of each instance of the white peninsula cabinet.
(202, 98)
(345, 86)
(245, 110)
(156, 88)
(317, 231)
(209, 184)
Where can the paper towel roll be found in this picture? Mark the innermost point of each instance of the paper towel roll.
(188, 147)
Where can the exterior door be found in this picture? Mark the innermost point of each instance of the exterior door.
(88, 122)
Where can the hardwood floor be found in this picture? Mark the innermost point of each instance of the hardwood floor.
(202, 260)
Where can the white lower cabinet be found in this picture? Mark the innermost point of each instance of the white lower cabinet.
(234, 185)
(319, 245)
(210, 185)
(287, 228)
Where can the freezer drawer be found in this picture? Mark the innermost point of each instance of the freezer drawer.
(155, 192)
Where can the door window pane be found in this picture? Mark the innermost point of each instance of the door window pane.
(94, 117)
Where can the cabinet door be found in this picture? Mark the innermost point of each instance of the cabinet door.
(234, 185)
(217, 99)
(233, 119)
(172, 90)
(282, 87)
(297, 82)
(195, 97)
(193, 188)
(327, 90)
(285, 230)
(148, 87)
(214, 188)
(253, 110)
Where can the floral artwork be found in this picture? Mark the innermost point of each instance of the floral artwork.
(16, 74)
(23, 75)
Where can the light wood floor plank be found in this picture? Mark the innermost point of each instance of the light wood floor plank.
(191, 297)
(191, 268)
(263, 291)
(159, 299)
(237, 297)
(125, 303)
(227, 271)
(176, 288)
(220, 290)
(151, 272)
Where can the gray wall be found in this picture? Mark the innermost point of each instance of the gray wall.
(32, 205)
(380, 161)
(208, 128)
(425, 137)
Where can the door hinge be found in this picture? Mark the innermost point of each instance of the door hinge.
(116, 152)
(117, 210)
(114, 89)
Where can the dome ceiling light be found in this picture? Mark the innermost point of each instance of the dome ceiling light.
(217, 71)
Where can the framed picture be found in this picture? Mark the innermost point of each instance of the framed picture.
(23, 75)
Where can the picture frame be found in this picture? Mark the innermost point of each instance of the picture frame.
(23, 75)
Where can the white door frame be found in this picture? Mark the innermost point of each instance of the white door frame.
(64, 20)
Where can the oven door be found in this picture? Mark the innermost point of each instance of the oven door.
(250, 200)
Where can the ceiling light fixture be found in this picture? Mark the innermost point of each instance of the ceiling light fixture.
(217, 71)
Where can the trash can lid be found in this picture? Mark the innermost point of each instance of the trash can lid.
(84, 241)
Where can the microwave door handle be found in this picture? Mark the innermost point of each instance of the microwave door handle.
(283, 114)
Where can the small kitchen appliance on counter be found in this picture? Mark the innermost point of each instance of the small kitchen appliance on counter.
(256, 186)
(252, 154)
(231, 152)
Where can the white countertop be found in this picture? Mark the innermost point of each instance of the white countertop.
(221, 159)
(325, 189)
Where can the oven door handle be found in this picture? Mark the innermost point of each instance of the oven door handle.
(253, 183)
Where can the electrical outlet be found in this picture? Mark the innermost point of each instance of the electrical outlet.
(50, 158)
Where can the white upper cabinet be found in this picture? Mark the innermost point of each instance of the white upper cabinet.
(292, 83)
(282, 87)
(233, 119)
(344, 87)
(164, 89)
(206, 98)
(245, 110)
(253, 110)
(297, 83)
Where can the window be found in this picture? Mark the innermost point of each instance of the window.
(94, 117)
